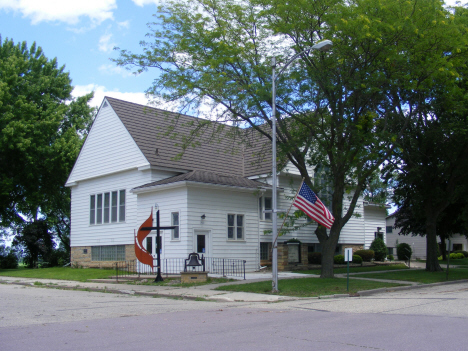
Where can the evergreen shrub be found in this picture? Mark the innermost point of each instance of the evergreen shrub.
(465, 253)
(404, 251)
(379, 248)
(338, 259)
(357, 259)
(366, 255)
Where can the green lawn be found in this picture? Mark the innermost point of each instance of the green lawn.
(358, 269)
(421, 276)
(62, 273)
(309, 287)
(459, 262)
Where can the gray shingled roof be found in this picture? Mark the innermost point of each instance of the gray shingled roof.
(207, 178)
(221, 154)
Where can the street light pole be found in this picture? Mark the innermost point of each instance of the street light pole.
(321, 46)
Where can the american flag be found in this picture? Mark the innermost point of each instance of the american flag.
(310, 204)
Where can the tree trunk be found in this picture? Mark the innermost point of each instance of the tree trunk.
(443, 248)
(432, 261)
(328, 244)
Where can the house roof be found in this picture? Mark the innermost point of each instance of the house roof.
(157, 133)
(206, 178)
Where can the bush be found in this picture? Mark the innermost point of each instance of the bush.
(404, 251)
(456, 256)
(380, 249)
(8, 259)
(338, 259)
(465, 253)
(357, 259)
(315, 257)
(390, 258)
(366, 255)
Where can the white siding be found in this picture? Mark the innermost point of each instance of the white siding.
(374, 217)
(216, 203)
(109, 148)
(417, 243)
(84, 234)
(168, 201)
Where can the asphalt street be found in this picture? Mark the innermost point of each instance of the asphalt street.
(37, 318)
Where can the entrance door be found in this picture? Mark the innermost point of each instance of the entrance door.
(202, 245)
(201, 242)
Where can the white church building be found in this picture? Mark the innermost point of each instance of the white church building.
(214, 193)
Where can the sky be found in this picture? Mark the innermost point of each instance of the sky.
(82, 35)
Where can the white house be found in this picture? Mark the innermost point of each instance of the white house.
(417, 242)
(214, 194)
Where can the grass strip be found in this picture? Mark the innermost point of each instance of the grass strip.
(61, 273)
(358, 269)
(309, 287)
(421, 276)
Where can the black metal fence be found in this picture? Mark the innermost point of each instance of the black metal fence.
(173, 266)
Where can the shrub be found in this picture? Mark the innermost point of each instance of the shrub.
(366, 255)
(357, 259)
(390, 258)
(457, 256)
(380, 249)
(315, 257)
(8, 258)
(338, 259)
(465, 253)
(404, 251)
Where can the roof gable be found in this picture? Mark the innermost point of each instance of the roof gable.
(108, 148)
(149, 128)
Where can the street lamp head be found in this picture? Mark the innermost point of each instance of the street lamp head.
(324, 45)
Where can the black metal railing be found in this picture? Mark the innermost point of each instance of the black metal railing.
(173, 266)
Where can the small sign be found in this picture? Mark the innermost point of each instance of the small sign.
(293, 253)
(348, 255)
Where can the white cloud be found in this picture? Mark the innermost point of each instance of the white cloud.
(111, 69)
(62, 10)
(105, 43)
(100, 92)
(124, 24)
(142, 3)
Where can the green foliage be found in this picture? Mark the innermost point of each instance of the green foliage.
(357, 259)
(8, 258)
(379, 248)
(42, 129)
(404, 251)
(338, 259)
(390, 258)
(366, 255)
(465, 253)
(456, 256)
(314, 257)
(37, 243)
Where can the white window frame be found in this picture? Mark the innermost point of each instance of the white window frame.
(175, 230)
(236, 227)
(114, 212)
(261, 204)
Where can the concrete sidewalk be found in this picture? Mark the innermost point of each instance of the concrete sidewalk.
(200, 292)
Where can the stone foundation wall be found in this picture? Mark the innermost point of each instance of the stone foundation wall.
(81, 257)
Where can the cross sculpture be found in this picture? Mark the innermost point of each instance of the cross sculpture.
(158, 242)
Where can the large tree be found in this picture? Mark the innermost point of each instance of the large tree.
(333, 109)
(42, 129)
